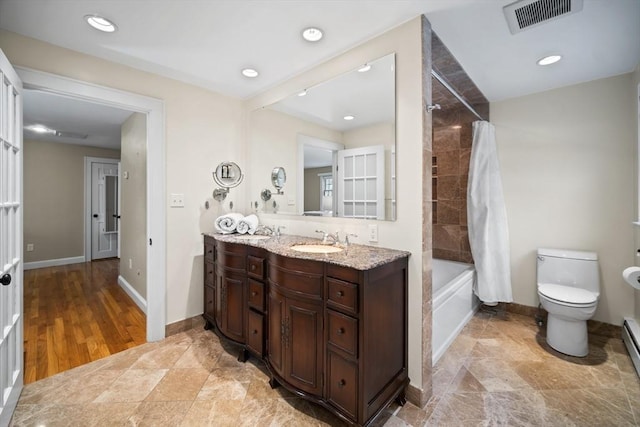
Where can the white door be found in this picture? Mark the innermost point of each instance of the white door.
(361, 177)
(11, 267)
(104, 210)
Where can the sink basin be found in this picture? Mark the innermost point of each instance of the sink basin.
(251, 237)
(317, 249)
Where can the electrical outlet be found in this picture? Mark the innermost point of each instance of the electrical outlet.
(177, 200)
(373, 233)
(29, 247)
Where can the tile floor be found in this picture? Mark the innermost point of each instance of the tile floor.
(499, 371)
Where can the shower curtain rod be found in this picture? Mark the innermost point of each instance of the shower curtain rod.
(454, 93)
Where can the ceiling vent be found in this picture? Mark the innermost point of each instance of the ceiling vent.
(525, 14)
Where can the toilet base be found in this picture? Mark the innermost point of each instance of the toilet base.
(568, 336)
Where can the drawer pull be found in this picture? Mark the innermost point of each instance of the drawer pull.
(341, 383)
(340, 294)
(254, 293)
(255, 332)
(340, 331)
(253, 267)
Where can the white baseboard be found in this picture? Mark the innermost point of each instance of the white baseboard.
(53, 262)
(135, 296)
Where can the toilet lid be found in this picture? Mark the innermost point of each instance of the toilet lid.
(567, 294)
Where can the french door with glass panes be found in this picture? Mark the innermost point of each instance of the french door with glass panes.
(11, 377)
(361, 177)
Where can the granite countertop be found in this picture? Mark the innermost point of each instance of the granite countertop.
(359, 257)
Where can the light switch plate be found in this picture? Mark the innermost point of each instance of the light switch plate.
(373, 233)
(177, 200)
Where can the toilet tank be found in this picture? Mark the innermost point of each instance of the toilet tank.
(569, 268)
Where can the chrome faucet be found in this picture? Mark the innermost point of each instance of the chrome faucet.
(346, 238)
(278, 233)
(326, 236)
(268, 231)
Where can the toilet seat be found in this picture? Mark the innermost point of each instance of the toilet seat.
(568, 295)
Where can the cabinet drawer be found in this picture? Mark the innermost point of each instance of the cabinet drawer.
(231, 256)
(342, 388)
(209, 275)
(208, 251)
(255, 267)
(255, 334)
(343, 332)
(299, 282)
(342, 295)
(256, 295)
(209, 305)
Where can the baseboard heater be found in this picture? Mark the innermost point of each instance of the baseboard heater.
(631, 338)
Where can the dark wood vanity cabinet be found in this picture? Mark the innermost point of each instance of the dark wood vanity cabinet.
(337, 335)
(296, 312)
(332, 334)
(234, 293)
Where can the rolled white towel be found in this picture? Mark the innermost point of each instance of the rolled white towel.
(248, 224)
(227, 224)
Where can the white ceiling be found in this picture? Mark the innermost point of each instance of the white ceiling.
(207, 43)
(100, 123)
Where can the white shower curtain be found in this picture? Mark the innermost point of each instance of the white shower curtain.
(487, 218)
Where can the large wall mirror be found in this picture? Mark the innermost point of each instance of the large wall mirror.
(336, 141)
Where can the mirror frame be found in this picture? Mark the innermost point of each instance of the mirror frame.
(218, 172)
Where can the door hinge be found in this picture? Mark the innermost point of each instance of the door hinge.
(150, 242)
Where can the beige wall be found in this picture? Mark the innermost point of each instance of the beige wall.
(405, 233)
(133, 208)
(202, 129)
(567, 162)
(312, 187)
(54, 198)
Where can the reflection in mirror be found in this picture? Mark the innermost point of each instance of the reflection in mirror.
(111, 204)
(228, 175)
(278, 178)
(337, 139)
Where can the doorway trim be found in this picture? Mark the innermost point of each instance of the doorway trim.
(156, 206)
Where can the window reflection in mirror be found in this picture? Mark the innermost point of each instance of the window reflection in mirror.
(336, 167)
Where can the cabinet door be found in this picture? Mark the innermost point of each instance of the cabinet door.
(304, 345)
(233, 305)
(275, 344)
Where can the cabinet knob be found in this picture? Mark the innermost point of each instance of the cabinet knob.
(254, 293)
(341, 383)
(340, 331)
(340, 293)
(253, 267)
(255, 332)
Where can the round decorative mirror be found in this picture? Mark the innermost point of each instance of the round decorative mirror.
(278, 178)
(228, 175)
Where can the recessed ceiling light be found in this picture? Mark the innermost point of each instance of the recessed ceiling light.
(364, 68)
(249, 72)
(548, 60)
(100, 23)
(302, 93)
(312, 34)
(348, 117)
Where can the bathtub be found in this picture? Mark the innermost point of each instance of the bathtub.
(454, 302)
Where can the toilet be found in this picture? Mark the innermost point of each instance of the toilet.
(568, 287)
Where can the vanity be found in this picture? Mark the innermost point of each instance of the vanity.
(330, 327)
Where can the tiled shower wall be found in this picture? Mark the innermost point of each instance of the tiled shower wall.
(452, 139)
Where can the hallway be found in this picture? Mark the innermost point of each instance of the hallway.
(75, 314)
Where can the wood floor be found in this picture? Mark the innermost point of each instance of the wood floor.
(75, 314)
